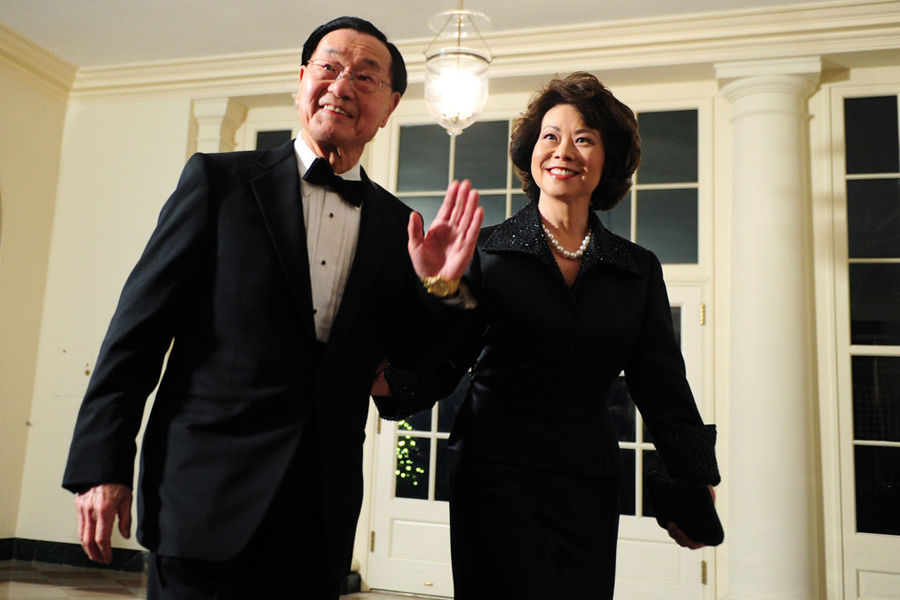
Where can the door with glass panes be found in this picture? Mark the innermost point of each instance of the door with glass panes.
(867, 239)
(410, 540)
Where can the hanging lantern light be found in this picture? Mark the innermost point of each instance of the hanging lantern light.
(456, 76)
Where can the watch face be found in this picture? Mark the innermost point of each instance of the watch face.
(440, 288)
(437, 286)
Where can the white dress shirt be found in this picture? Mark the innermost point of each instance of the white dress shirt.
(332, 232)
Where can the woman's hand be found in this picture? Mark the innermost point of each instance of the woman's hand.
(681, 537)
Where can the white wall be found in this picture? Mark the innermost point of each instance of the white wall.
(120, 161)
(31, 122)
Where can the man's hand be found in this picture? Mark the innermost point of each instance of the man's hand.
(380, 386)
(446, 250)
(97, 510)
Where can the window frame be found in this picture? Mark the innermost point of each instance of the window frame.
(265, 118)
(415, 113)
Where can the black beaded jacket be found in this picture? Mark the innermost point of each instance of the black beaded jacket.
(543, 358)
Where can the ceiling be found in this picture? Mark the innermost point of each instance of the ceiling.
(92, 33)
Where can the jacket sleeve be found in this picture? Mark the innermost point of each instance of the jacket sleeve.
(141, 330)
(657, 381)
(417, 389)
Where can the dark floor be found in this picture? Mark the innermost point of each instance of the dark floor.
(21, 580)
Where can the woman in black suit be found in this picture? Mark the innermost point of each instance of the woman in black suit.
(565, 306)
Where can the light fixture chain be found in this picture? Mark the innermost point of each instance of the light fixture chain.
(437, 35)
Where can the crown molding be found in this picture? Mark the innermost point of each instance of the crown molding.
(212, 76)
(34, 65)
(840, 32)
(822, 28)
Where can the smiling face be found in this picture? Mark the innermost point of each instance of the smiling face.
(567, 160)
(337, 119)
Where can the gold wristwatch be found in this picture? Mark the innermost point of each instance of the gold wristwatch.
(439, 287)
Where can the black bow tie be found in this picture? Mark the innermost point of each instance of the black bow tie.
(321, 173)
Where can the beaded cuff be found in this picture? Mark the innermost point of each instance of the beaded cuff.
(416, 390)
(689, 454)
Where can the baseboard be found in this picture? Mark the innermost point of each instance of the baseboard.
(7, 548)
(61, 553)
(135, 561)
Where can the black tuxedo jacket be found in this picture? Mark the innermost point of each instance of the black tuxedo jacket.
(224, 285)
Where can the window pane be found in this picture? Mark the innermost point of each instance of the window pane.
(481, 154)
(626, 482)
(877, 490)
(441, 481)
(870, 130)
(272, 139)
(519, 201)
(873, 218)
(667, 224)
(875, 304)
(411, 474)
(618, 218)
(516, 183)
(668, 147)
(621, 410)
(494, 209)
(420, 421)
(427, 206)
(876, 398)
(424, 160)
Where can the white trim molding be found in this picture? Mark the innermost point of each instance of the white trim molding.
(845, 33)
(35, 65)
(217, 120)
(833, 28)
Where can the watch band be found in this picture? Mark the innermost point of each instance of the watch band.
(439, 287)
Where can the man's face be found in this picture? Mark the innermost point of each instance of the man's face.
(335, 115)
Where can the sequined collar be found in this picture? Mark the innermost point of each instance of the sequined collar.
(522, 233)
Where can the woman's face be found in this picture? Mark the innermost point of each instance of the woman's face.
(567, 159)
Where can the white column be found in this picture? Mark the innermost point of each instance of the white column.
(217, 119)
(771, 538)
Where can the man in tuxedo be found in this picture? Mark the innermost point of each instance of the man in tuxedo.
(277, 290)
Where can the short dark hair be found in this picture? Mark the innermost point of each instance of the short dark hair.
(398, 66)
(600, 110)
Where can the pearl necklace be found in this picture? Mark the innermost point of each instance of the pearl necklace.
(566, 253)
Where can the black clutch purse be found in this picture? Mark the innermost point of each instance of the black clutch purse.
(688, 505)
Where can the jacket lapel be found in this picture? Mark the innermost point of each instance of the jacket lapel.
(522, 234)
(277, 191)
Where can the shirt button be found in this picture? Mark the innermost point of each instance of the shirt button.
(330, 215)
(323, 262)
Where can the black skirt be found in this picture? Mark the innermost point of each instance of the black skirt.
(524, 534)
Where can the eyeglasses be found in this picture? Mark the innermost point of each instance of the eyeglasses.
(364, 81)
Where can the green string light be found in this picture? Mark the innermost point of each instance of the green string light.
(406, 463)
